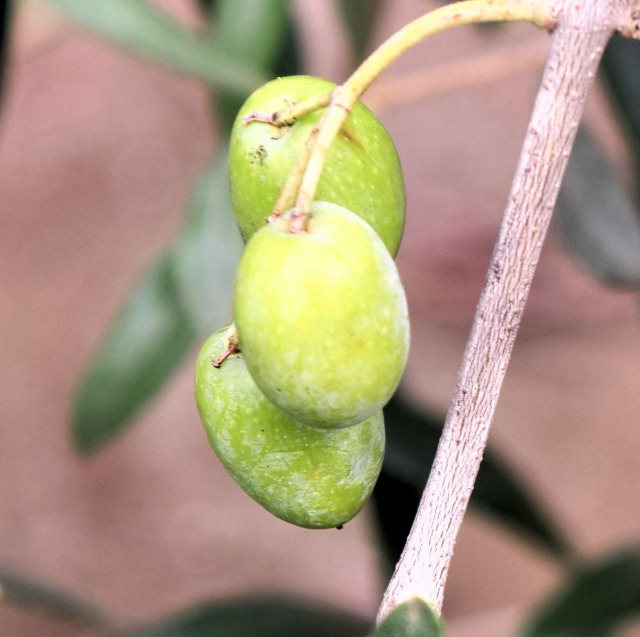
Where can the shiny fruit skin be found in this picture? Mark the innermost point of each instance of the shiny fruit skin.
(322, 317)
(362, 170)
(309, 477)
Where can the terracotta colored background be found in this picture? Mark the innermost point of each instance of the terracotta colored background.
(97, 156)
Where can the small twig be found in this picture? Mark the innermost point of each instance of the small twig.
(582, 30)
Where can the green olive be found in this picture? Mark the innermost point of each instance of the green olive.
(362, 170)
(310, 477)
(322, 317)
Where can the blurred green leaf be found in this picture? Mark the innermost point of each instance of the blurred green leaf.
(141, 27)
(258, 618)
(360, 17)
(188, 295)
(6, 13)
(207, 6)
(599, 598)
(46, 600)
(414, 618)
(597, 218)
(143, 347)
(412, 440)
(208, 249)
(252, 32)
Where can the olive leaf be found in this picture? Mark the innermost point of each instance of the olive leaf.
(53, 603)
(187, 293)
(141, 27)
(620, 64)
(252, 32)
(266, 617)
(414, 618)
(360, 18)
(183, 297)
(601, 596)
(597, 218)
(145, 342)
(6, 14)
(208, 6)
(207, 250)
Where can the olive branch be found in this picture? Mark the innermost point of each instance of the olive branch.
(579, 33)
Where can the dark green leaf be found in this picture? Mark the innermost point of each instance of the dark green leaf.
(251, 32)
(271, 617)
(414, 618)
(412, 440)
(44, 599)
(597, 219)
(6, 11)
(599, 598)
(208, 6)
(290, 59)
(141, 27)
(360, 17)
(620, 64)
(144, 345)
(208, 250)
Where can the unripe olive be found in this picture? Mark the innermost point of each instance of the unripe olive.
(322, 317)
(362, 171)
(310, 477)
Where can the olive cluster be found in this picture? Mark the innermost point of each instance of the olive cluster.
(291, 393)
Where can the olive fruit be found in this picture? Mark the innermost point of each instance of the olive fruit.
(322, 317)
(362, 170)
(310, 477)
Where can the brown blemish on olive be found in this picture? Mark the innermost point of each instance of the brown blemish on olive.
(259, 155)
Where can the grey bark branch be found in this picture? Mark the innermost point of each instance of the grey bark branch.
(583, 28)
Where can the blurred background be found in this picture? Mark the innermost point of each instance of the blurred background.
(100, 155)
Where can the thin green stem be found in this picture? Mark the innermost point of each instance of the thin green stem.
(452, 15)
(287, 196)
(346, 96)
(288, 117)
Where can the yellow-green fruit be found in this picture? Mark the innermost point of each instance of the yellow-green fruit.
(322, 317)
(362, 171)
(310, 477)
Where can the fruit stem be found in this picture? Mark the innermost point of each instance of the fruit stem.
(232, 347)
(287, 196)
(288, 117)
(346, 96)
